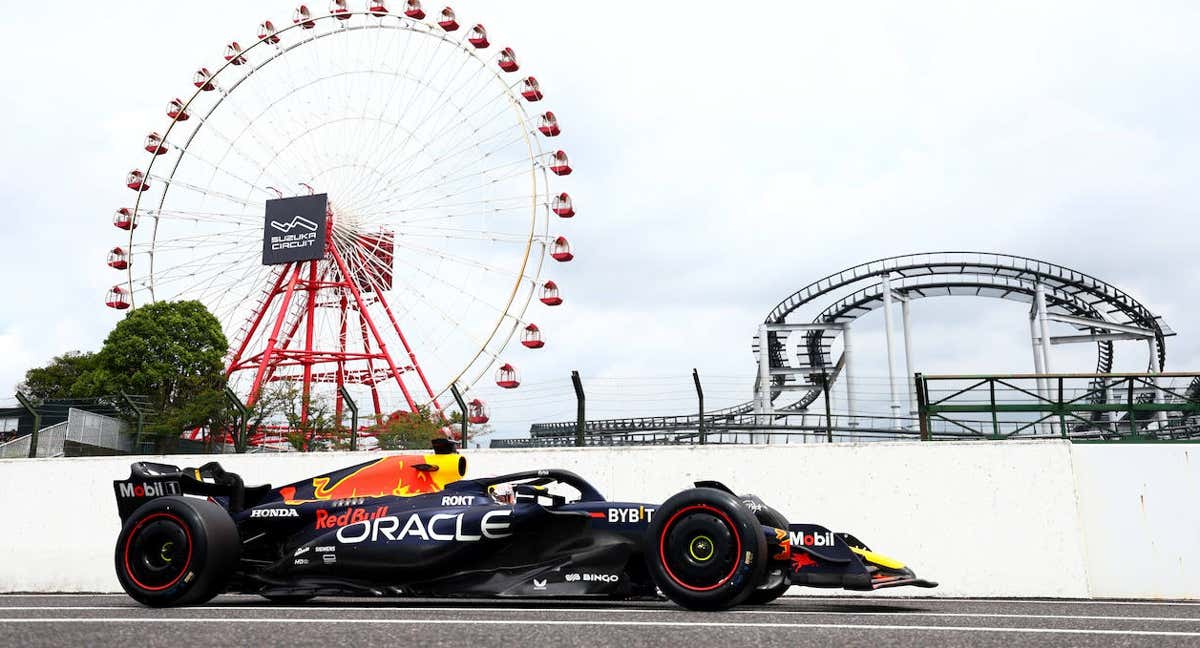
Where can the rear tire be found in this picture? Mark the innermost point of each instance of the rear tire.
(176, 551)
(705, 550)
(768, 516)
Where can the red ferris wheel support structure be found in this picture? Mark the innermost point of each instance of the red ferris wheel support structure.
(301, 288)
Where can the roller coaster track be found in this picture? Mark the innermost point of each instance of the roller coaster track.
(912, 276)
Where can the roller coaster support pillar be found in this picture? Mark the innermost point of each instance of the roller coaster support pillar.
(700, 397)
(828, 410)
(1044, 326)
(847, 363)
(763, 406)
(891, 353)
(908, 359)
(1160, 417)
(348, 401)
(1038, 369)
(580, 415)
(37, 423)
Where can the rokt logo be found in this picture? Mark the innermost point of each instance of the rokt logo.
(299, 222)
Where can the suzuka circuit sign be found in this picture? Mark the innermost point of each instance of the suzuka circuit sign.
(294, 229)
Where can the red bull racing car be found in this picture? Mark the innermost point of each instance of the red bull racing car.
(411, 525)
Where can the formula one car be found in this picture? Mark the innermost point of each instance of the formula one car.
(410, 525)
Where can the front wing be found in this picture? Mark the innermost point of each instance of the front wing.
(823, 558)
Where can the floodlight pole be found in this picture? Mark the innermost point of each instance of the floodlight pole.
(700, 396)
(37, 423)
(349, 402)
(580, 408)
(239, 440)
(462, 408)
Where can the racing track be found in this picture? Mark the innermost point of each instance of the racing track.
(114, 620)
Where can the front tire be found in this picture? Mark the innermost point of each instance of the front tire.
(777, 583)
(705, 550)
(176, 551)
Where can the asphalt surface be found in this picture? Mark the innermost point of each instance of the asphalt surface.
(115, 620)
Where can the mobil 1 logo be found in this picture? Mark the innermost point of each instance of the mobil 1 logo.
(294, 229)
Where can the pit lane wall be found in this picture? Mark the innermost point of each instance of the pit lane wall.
(1005, 519)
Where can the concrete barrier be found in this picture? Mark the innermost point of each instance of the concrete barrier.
(984, 519)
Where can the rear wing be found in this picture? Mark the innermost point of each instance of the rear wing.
(148, 480)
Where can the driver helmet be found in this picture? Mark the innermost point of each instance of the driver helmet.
(503, 494)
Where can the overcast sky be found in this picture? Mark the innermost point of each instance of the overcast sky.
(726, 154)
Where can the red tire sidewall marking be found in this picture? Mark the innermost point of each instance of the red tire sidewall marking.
(662, 553)
(133, 533)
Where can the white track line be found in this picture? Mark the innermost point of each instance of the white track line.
(884, 599)
(477, 609)
(643, 624)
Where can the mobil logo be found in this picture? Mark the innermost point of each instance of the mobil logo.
(812, 539)
(151, 489)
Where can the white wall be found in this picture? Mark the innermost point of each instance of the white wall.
(1141, 519)
(984, 519)
(936, 506)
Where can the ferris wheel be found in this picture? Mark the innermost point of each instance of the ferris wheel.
(362, 198)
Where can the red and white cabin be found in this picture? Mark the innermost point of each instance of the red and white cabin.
(175, 110)
(550, 295)
(448, 21)
(477, 412)
(136, 180)
(478, 37)
(531, 338)
(413, 10)
(203, 79)
(563, 205)
(117, 298)
(378, 8)
(266, 32)
(561, 250)
(233, 54)
(154, 144)
(124, 219)
(508, 60)
(118, 259)
(340, 9)
(507, 377)
(548, 125)
(559, 164)
(531, 90)
(303, 17)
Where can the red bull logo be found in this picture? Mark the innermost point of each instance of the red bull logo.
(327, 520)
(800, 560)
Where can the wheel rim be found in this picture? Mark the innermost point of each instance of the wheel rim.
(700, 548)
(158, 552)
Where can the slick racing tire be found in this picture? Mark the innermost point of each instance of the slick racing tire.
(176, 551)
(776, 578)
(705, 550)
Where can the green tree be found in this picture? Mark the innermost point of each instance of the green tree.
(171, 352)
(59, 378)
(408, 430)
